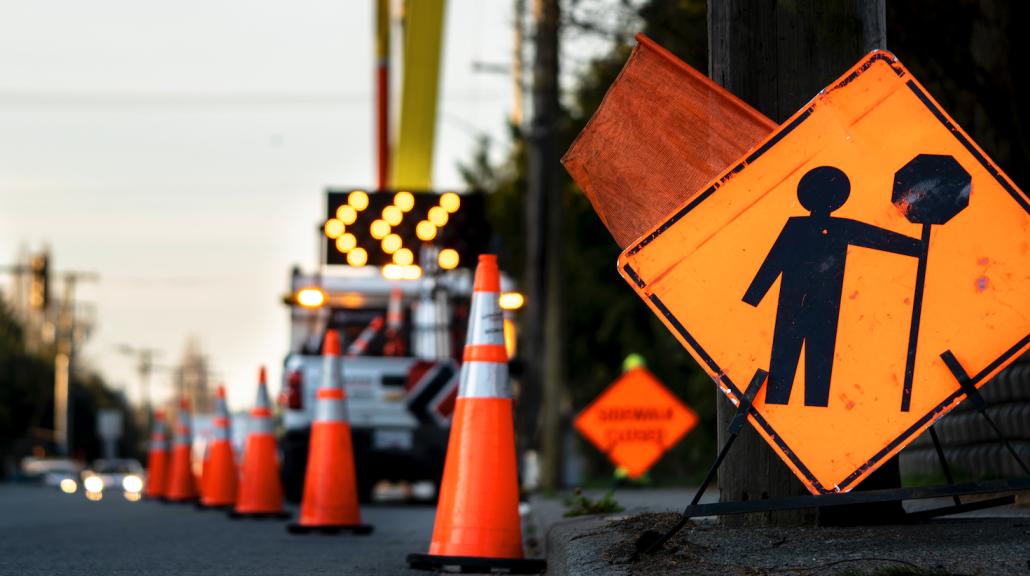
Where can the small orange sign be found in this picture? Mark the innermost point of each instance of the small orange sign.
(635, 421)
(853, 250)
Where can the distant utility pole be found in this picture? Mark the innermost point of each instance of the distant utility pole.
(516, 68)
(777, 55)
(544, 338)
(144, 367)
(517, 111)
(63, 414)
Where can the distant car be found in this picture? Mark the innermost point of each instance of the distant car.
(124, 474)
(50, 471)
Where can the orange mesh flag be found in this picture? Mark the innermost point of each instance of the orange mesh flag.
(663, 131)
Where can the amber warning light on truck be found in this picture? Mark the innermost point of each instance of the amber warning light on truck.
(389, 228)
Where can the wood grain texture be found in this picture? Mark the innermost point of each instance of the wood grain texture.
(778, 55)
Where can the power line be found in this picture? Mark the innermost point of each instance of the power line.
(204, 100)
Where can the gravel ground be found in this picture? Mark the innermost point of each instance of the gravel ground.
(967, 546)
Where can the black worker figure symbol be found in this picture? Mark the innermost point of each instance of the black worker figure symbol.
(809, 255)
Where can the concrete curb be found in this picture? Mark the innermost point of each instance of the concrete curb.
(601, 545)
(568, 555)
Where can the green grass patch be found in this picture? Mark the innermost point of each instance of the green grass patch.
(581, 505)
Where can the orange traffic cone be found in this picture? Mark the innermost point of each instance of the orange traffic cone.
(261, 491)
(181, 483)
(157, 458)
(330, 502)
(477, 517)
(395, 345)
(360, 345)
(218, 482)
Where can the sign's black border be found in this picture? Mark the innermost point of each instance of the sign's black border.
(779, 134)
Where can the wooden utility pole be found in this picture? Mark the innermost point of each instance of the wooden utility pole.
(64, 415)
(543, 338)
(777, 55)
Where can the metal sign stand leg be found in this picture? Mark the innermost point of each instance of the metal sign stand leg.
(980, 404)
(651, 541)
(944, 462)
(958, 506)
(971, 392)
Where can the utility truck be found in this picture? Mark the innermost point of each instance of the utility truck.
(395, 280)
(400, 371)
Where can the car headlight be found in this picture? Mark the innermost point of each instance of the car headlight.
(93, 484)
(69, 486)
(132, 483)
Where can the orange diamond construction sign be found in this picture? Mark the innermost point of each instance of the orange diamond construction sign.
(867, 254)
(635, 421)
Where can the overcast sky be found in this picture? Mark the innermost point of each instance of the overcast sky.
(180, 149)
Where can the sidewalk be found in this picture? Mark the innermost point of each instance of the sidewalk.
(988, 542)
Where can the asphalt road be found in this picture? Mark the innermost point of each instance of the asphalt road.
(43, 531)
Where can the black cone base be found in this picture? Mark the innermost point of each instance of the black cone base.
(283, 515)
(360, 529)
(478, 564)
